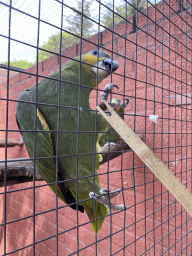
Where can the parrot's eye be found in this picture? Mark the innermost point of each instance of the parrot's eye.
(94, 52)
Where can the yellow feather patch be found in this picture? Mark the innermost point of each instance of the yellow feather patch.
(45, 125)
(91, 59)
(42, 120)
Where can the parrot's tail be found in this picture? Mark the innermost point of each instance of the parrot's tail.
(97, 217)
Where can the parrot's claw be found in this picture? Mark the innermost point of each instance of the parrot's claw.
(115, 103)
(108, 89)
(105, 198)
(106, 192)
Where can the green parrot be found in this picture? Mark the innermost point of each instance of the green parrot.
(62, 133)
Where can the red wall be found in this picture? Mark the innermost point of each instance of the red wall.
(154, 222)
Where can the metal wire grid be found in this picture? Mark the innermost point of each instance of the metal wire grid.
(184, 225)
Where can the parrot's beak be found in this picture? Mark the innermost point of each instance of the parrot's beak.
(104, 68)
(110, 65)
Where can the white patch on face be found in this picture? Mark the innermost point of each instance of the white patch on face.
(100, 73)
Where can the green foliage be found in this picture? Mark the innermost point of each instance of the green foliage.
(53, 44)
(24, 64)
(73, 26)
(107, 14)
(136, 5)
(74, 21)
(120, 11)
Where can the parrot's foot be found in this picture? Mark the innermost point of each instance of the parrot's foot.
(105, 197)
(108, 89)
(115, 103)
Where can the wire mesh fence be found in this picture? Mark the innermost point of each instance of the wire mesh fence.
(59, 61)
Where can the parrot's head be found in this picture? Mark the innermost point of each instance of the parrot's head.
(100, 64)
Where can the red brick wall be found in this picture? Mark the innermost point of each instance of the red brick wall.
(154, 222)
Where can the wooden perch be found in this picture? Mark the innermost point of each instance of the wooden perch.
(20, 170)
(11, 143)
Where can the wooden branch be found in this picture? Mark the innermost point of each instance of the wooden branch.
(20, 170)
(11, 143)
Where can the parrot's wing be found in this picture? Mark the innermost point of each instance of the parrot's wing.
(39, 135)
